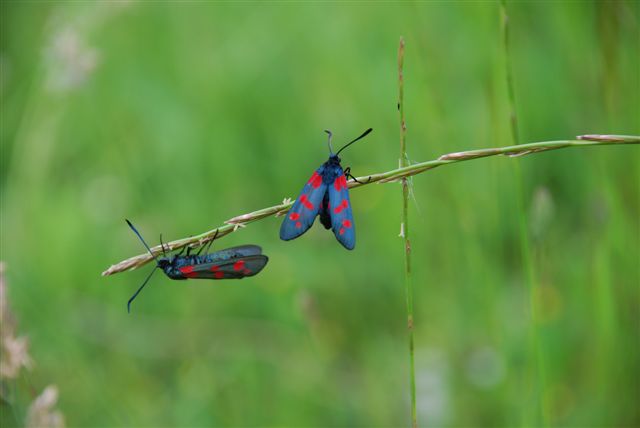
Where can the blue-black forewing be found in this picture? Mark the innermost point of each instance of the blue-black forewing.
(305, 209)
(235, 268)
(340, 211)
(240, 251)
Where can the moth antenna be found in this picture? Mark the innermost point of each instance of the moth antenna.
(162, 246)
(141, 239)
(364, 134)
(139, 290)
(330, 136)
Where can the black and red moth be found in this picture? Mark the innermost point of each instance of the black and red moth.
(231, 263)
(326, 194)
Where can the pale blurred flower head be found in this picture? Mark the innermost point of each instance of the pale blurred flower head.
(42, 414)
(14, 356)
(14, 353)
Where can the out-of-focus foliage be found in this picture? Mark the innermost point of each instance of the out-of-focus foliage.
(181, 115)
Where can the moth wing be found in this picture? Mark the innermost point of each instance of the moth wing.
(340, 211)
(236, 268)
(239, 251)
(305, 209)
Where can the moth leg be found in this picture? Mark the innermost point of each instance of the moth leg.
(200, 250)
(208, 245)
(187, 248)
(347, 173)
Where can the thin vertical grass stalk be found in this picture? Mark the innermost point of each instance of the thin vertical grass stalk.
(511, 93)
(404, 233)
(537, 377)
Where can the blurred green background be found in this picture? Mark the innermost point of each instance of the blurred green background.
(179, 116)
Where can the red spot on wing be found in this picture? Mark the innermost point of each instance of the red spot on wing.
(304, 200)
(343, 205)
(342, 231)
(340, 183)
(294, 216)
(214, 268)
(346, 223)
(246, 272)
(239, 265)
(188, 271)
(315, 180)
(218, 274)
(298, 224)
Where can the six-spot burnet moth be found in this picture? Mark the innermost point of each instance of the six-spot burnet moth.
(326, 194)
(231, 263)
